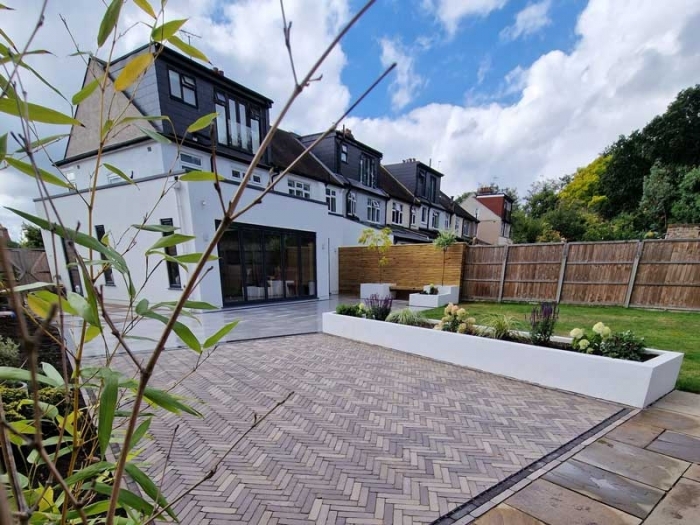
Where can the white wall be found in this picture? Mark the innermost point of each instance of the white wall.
(117, 208)
(489, 227)
(406, 219)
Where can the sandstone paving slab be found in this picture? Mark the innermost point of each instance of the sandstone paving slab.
(678, 446)
(634, 433)
(556, 505)
(684, 402)
(684, 423)
(612, 489)
(681, 506)
(507, 515)
(632, 462)
(693, 473)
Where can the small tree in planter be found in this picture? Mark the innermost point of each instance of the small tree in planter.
(379, 241)
(443, 241)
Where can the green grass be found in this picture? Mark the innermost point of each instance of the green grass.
(664, 330)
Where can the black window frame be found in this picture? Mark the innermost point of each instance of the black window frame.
(222, 100)
(192, 87)
(173, 269)
(421, 184)
(368, 171)
(106, 268)
(344, 153)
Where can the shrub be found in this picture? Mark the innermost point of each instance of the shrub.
(407, 317)
(18, 407)
(456, 320)
(353, 310)
(499, 326)
(9, 353)
(378, 308)
(432, 290)
(602, 341)
(543, 318)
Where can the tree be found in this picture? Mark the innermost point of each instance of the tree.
(660, 192)
(583, 189)
(525, 229)
(31, 237)
(443, 241)
(542, 198)
(379, 241)
(568, 221)
(686, 209)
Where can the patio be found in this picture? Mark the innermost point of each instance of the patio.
(370, 435)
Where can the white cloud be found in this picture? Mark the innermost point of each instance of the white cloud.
(631, 60)
(407, 82)
(529, 21)
(484, 68)
(451, 12)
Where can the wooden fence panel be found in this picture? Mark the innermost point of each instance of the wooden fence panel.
(31, 265)
(409, 265)
(532, 272)
(482, 272)
(668, 275)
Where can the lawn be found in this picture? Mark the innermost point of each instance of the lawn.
(664, 330)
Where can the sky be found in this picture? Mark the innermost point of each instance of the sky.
(505, 91)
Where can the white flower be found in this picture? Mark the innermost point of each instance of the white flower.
(471, 320)
(576, 333)
(599, 328)
(462, 328)
(583, 344)
(606, 332)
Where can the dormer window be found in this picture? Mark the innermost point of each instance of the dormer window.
(183, 87)
(421, 184)
(368, 171)
(238, 124)
(344, 153)
(432, 188)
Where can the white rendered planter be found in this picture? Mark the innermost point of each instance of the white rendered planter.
(626, 382)
(381, 289)
(445, 295)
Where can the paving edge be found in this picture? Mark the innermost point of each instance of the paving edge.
(534, 469)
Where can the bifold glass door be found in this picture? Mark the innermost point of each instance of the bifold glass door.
(266, 264)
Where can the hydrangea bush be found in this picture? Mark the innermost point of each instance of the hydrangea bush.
(456, 320)
(602, 341)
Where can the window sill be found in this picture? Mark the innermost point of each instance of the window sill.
(111, 285)
(175, 288)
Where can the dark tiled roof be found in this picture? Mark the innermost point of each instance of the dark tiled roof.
(409, 235)
(453, 207)
(285, 148)
(393, 187)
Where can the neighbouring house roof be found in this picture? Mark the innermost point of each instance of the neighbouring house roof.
(361, 187)
(393, 187)
(404, 234)
(285, 148)
(451, 206)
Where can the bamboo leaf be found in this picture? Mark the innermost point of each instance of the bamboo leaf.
(28, 169)
(119, 172)
(34, 112)
(167, 30)
(142, 307)
(52, 373)
(200, 176)
(170, 240)
(3, 146)
(89, 472)
(168, 402)
(215, 338)
(155, 135)
(145, 7)
(188, 49)
(83, 308)
(43, 142)
(101, 507)
(133, 69)
(201, 123)
(108, 404)
(160, 228)
(181, 330)
(126, 498)
(191, 258)
(53, 298)
(148, 487)
(109, 21)
(139, 433)
(38, 306)
(92, 332)
(8, 373)
(197, 305)
(85, 92)
(27, 287)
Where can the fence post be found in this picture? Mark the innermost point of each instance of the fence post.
(503, 274)
(562, 271)
(633, 273)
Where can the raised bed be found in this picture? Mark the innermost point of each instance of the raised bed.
(445, 295)
(382, 290)
(628, 382)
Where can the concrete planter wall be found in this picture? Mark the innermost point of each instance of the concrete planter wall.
(380, 289)
(445, 295)
(627, 382)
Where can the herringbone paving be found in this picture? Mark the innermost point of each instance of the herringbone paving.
(370, 435)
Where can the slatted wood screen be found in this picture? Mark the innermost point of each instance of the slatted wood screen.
(31, 265)
(409, 265)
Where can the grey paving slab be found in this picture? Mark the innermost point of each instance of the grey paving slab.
(693, 473)
(678, 446)
(555, 505)
(612, 489)
(683, 402)
(507, 515)
(369, 435)
(654, 417)
(681, 506)
(632, 462)
(634, 433)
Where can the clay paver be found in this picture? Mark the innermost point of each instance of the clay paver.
(683, 402)
(693, 473)
(506, 515)
(633, 462)
(555, 505)
(678, 446)
(609, 488)
(655, 417)
(681, 506)
(634, 433)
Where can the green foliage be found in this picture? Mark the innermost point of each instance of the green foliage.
(19, 407)
(602, 341)
(9, 352)
(353, 310)
(378, 308)
(380, 241)
(542, 198)
(407, 317)
(583, 190)
(443, 241)
(457, 320)
(660, 192)
(543, 319)
(686, 208)
(499, 326)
